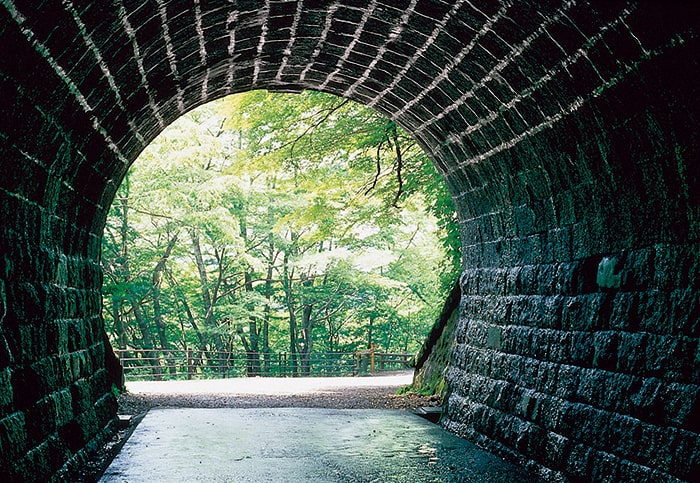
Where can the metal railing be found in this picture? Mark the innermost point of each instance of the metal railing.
(144, 364)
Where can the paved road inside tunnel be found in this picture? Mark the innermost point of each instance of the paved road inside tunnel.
(300, 445)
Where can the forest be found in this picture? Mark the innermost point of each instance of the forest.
(268, 224)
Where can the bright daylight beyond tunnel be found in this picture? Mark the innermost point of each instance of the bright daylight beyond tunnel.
(276, 235)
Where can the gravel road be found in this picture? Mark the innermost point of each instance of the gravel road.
(368, 392)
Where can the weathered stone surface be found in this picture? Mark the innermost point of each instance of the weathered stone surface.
(566, 131)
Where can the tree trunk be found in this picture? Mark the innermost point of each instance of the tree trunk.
(118, 323)
(209, 317)
(157, 312)
(188, 311)
(307, 340)
(147, 345)
(190, 317)
(253, 349)
(293, 346)
(266, 311)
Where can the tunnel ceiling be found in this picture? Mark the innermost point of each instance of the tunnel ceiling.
(471, 80)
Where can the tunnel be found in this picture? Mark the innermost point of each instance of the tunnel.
(566, 131)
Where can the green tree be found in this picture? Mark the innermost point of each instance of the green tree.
(267, 223)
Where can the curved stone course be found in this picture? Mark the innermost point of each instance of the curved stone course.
(567, 132)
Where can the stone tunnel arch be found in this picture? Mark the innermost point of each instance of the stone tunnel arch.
(566, 131)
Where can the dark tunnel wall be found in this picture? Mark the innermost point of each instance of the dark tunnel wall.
(566, 131)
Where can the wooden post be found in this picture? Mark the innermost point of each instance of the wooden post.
(189, 364)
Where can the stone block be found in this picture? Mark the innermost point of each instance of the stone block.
(82, 398)
(41, 420)
(6, 390)
(34, 466)
(656, 447)
(559, 347)
(646, 402)
(591, 387)
(567, 382)
(27, 343)
(661, 356)
(686, 311)
(582, 313)
(605, 467)
(581, 349)
(28, 303)
(655, 313)
(618, 388)
(624, 315)
(63, 401)
(88, 423)
(32, 384)
(13, 436)
(638, 270)
(685, 455)
(605, 348)
(608, 275)
(494, 337)
(623, 435)
(555, 451)
(105, 408)
(579, 461)
(629, 471)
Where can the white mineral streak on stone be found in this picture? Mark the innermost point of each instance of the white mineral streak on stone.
(324, 34)
(394, 34)
(485, 28)
(647, 53)
(139, 63)
(72, 88)
(202, 48)
(264, 14)
(571, 108)
(292, 36)
(356, 37)
(103, 66)
(495, 71)
(440, 26)
(581, 53)
(231, 24)
(170, 53)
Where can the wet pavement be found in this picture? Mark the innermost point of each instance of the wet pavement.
(300, 445)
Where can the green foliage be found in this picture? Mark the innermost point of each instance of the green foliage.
(436, 389)
(266, 223)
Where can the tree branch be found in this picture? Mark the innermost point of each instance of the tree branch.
(313, 126)
(399, 163)
(379, 169)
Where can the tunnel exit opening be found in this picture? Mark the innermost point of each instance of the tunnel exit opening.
(277, 235)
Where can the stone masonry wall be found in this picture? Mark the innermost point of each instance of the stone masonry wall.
(56, 402)
(566, 132)
(578, 344)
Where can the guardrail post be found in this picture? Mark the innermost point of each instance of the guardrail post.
(189, 364)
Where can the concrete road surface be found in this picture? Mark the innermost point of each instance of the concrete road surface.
(300, 445)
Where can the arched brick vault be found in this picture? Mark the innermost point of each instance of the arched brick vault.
(567, 133)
